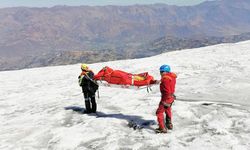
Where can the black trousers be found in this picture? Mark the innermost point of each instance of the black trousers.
(90, 103)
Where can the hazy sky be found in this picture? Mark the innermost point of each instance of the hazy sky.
(49, 3)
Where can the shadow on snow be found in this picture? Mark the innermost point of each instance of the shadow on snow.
(135, 122)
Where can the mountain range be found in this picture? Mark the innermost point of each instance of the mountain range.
(33, 33)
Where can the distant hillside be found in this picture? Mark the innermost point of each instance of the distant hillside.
(155, 47)
(28, 34)
(58, 58)
(30, 30)
(166, 44)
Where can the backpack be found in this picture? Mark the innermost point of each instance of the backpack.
(94, 85)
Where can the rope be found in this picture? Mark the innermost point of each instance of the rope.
(92, 80)
(149, 88)
(94, 83)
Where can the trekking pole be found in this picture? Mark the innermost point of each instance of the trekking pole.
(98, 95)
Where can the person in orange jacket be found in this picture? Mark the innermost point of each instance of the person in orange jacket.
(167, 88)
(89, 87)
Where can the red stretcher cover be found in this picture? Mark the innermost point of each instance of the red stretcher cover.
(123, 78)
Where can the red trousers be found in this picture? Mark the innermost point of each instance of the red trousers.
(160, 114)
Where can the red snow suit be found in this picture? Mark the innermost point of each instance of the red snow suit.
(123, 78)
(167, 88)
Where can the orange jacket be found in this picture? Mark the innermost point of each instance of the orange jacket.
(167, 87)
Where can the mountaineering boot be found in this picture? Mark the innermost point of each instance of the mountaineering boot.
(160, 130)
(168, 124)
(86, 112)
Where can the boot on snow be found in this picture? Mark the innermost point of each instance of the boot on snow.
(169, 126)
(160, 130)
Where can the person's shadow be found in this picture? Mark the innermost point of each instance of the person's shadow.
(135, 122)
(76, 109)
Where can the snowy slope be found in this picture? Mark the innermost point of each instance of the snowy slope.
(212, 110)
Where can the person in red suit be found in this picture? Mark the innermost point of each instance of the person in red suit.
(167, 88)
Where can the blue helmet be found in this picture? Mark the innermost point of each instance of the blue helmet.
(165, 68)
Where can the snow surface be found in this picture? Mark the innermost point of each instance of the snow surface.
(211, 112)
